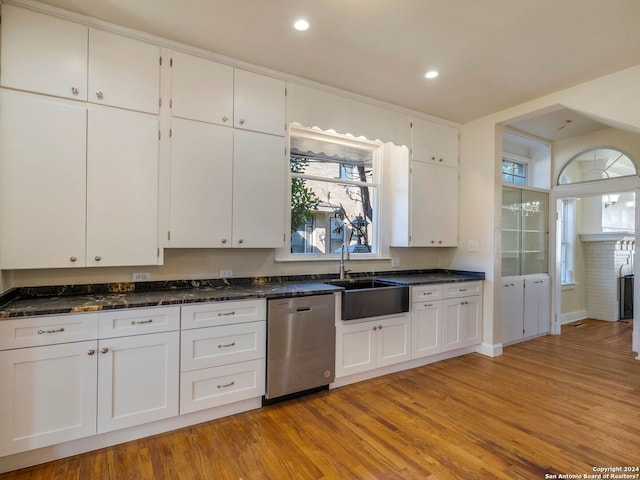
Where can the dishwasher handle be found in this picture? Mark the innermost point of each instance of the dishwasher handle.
(304, 309)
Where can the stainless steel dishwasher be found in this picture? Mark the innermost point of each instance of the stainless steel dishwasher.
(301, 345)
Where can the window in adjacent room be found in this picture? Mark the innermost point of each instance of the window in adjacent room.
(514, 172)
(334, 186)
(567, 242)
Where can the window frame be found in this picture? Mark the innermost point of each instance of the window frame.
(506, 157)
(378, 245)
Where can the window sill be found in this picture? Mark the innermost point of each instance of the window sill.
(370, 258)
(568, 286)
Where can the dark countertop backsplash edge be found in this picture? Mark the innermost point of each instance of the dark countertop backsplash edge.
(131, 287)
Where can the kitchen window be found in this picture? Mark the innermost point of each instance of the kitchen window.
(567, 241)
(514, 172)
(334, 186)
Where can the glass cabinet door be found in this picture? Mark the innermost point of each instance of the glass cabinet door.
(525, 236)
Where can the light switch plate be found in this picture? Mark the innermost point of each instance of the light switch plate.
(473, 246)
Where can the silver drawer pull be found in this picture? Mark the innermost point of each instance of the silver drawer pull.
(141, 322)
(463, 289)
(428, 304)
(428, 293)
(227, 345)
(55, 330)
(226, 314)
(227, 385)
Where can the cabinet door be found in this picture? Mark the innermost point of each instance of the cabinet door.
(536, 306)
(258, 190)
(201, 89)
(512, 302)
(392, 342)
(259, 103)
(445, 203)
(123, 72)
(42, 53)
(434, 142)
(355, 348)
(462, 322)
(42, 181)
(48, 395)
(423, 215)
(201, 184)
(138, 380)
(122, 188)
(426, 323)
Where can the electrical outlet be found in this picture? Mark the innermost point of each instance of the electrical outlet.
(395, 262)
(473, 246)
(226, 273)
(141, 277)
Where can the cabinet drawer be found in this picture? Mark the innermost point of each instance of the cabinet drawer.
(464, 289)
(223, 313)
(47, 330)
(214, 346)
(426, 292)
(136, 321)
(217, 386)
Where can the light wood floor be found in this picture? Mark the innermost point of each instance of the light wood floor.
(556, 404)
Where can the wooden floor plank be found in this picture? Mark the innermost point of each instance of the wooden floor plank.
(552, 405)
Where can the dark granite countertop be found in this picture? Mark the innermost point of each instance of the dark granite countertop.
(30, 301)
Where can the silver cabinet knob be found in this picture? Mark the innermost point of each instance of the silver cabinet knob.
(433, 158)
(224, 240)
(440, 241)
(100, 95)
(433, 241)
(225, 118)
(241, 122)
(241, 241)
(72, 259)
(440, 160)
(74, 90)
(104, 350)
(375, 328)
(379, 327)
(97, 258)
(91, 352)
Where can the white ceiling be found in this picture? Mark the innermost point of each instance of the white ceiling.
(491, 54)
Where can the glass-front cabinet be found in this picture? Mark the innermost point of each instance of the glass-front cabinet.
(525, 231)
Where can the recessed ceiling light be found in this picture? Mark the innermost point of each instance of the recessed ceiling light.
(431, 74)
(301, 25)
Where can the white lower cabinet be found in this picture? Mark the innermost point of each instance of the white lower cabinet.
(137, 380)
(371, 344)
(48, 395)
(426, 327)
(461, 322)
(526, 307)
(223, 363)
(60, 382)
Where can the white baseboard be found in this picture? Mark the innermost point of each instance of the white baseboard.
(490, 350)
(574, 316)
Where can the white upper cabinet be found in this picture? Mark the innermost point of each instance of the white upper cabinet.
(201, 89)
(424, 204)
(42, 181)
(45, 54)
(258, 190)
(434, 142)
(201, 184)
(123, 72)
(259, 103)
(42, 53)
(122, 187)
(212, 92)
